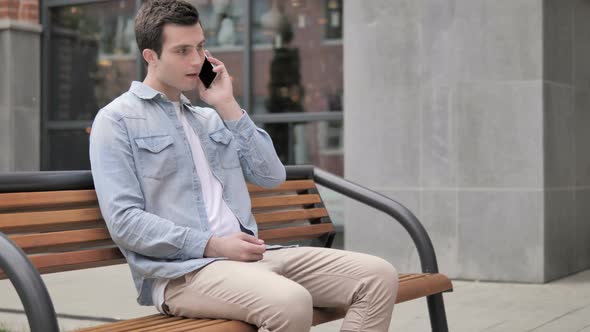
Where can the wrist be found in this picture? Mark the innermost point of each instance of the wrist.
(212, 248)
(229, 110)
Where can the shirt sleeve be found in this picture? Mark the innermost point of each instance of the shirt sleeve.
(258, 158)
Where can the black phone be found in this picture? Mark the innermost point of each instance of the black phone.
(207, 75)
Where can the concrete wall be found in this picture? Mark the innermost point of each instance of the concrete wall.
(447, 111)
(20, 76)
(567, 134)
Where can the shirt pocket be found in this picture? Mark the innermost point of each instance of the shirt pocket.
(227, 152)
(156, 156)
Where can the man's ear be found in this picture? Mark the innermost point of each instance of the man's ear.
(149, 56)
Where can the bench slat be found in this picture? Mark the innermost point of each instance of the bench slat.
(160, 322)
(10, 222)
(57, 239)
(51, 198)
(206, 326)
(112, 326)
(292, 185)
(184, 325)
(289, 215)
(420, 285)
(58, 262)
(143, 325)
(226, 326)
(296, 233)
(46, 198)
(283, 201)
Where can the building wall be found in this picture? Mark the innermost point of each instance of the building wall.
(567, 120)
(20, 10)
(20, 75)
(456, 110)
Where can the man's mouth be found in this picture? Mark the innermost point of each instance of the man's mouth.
(192, 76)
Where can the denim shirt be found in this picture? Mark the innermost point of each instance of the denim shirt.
(147, 184)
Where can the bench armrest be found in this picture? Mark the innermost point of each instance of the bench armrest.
(380, 202)
(29, 286)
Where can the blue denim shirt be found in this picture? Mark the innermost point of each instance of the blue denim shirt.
(148, 188)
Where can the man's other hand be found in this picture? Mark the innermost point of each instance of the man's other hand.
(237, 247)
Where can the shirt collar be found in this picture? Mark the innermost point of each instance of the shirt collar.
(144, 91)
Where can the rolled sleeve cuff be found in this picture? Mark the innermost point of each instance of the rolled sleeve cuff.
(194, 244)
(244, 126)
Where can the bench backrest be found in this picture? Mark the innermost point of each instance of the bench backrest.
(63, 230)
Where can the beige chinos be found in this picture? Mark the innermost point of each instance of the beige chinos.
(278, 293)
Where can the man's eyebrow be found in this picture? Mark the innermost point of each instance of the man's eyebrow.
(188, 45)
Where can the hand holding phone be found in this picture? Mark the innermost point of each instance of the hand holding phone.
(220, 96)
(207, 75)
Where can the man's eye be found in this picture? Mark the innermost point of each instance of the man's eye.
(182, 51)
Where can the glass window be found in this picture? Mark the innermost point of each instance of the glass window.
(223, 22)
(92, 60)
(92, 57)
(318, 143)
(333, 19)
(69, 150)
(297, 68)
(297, 64)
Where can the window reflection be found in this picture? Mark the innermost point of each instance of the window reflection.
(298, 68)
(333, 19)
(92, 57)
(223, 22)
(92, 60)
(318, 143)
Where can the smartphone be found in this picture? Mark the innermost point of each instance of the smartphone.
(207, 75)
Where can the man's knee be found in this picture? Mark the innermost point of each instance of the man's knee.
(292, 309)
(294, 302)
(384, 274)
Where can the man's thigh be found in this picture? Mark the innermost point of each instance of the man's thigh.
(232, 290)
(331, 276)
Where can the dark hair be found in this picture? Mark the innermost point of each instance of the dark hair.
(154, 14)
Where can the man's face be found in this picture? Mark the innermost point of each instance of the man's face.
(182, 56)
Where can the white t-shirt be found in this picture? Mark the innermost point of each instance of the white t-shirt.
(222, 220)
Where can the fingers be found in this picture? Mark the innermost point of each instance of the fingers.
(219, 68)
(257, 257)
(250, 247)
(214, 61)
(251, 239)
(256, 248)
(254, 258)
(251, 252)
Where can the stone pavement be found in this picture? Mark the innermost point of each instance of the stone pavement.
(86, 298)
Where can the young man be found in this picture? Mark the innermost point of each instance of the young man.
(171, 183)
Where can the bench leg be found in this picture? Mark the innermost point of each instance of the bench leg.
(438, 317)
(329, 240)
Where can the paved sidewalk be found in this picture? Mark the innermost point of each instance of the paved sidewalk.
(86, 298)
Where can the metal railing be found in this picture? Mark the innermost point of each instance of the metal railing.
(29, 287)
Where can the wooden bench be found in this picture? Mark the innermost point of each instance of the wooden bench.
(50, 222)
